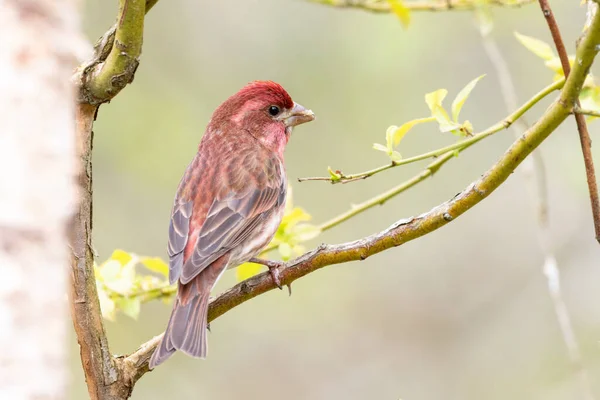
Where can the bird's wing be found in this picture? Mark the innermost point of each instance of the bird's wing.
(179, 229)
(231, 218)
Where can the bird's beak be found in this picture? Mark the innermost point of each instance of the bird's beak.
(298, 115)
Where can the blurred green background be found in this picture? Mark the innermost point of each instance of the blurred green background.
(463, 313)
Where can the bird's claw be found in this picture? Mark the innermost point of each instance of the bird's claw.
(274, 270)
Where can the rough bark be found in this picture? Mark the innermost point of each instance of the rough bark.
(110, 69)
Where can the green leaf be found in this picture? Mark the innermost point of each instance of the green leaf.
(285, 250)
(156, 264)
(590, 100)
(401, 11)
(536, 46)
(395, 156)
(121, 256)
(434, 99)
(401, 131)
(434, 102)
(555, 65)
(389, 138)
(298, 250)
(109, 270)
(107, 306)
(380, 147)
(123, 282)
(247, 270)
(334, 175)
(304, 232)
(462, 96)
(297, 214)
(130, 306)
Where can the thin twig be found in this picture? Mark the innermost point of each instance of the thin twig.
(589, 113)
(383, 6)
(584, 136)
(458, 146)
(384, 197)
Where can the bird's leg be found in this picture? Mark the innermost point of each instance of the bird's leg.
(273, 268)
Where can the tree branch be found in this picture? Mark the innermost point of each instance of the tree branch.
(458, 146)
(136, 364)
(383, 6)
(584, 136)
(112, 67)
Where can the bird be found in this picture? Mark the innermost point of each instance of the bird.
(228, 206)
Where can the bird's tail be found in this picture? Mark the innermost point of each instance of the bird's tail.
(186, 330)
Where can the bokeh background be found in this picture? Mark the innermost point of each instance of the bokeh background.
(463, 313)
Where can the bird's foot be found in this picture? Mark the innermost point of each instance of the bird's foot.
(273, 270)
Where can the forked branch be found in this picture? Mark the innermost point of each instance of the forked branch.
(584, 135)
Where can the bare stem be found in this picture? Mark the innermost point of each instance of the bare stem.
(589, 113)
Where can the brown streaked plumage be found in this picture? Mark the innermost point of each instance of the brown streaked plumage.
(228, 205)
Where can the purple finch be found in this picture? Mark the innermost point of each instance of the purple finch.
(228, 205)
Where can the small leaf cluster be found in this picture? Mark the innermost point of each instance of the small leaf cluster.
(122, 289)
(434, 100)
(590, 94)
(293, 231)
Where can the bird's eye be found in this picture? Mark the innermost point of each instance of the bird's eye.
(273, 110)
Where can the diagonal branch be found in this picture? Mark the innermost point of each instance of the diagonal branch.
(136, 364)
(383, 6)
(584, 135)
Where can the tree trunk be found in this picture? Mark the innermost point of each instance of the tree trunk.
(38, 43)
